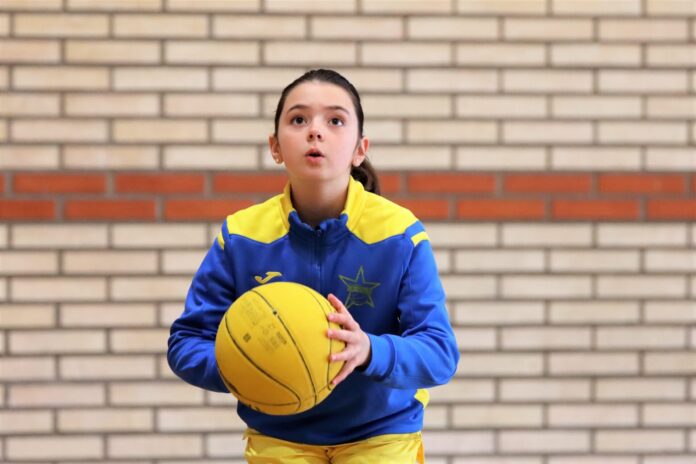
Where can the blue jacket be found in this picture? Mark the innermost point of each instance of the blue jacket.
(376, 258)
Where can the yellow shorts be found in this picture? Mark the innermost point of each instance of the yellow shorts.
(404, 448)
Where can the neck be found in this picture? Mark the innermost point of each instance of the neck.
(317, 202)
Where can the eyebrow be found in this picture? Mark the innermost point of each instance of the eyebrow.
(331, 107)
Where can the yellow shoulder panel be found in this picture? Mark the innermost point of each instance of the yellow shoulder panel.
(381, 219)
(263, 222)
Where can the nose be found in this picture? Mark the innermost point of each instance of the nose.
(314, 133)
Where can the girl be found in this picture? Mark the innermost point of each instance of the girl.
(330, 230)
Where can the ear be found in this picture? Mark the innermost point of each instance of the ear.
(360, 151)
(275, 149)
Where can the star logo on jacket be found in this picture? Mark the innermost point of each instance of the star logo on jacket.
(359, 290)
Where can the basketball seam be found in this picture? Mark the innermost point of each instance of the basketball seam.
(328, 326)
(299, 348)
(263, 371)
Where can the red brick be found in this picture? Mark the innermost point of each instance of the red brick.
(389, 183)
(672, 209)
(109, 209)
(595, 209)
(249, 183)
(160, 183)
(693, 183)
(215, 210)
(425, 209)
(451, 183)
(500, 209)
(641, 183)
(59, 183)
(27, 209)
(551, 183)
(2, 185)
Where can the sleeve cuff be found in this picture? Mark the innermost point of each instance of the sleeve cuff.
(382, 360)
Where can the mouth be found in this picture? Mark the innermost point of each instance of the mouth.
(314, 153)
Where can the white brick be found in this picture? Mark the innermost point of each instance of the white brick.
(547, 81)
(29, 105)
(198, 419)
(451, 80)
(591, 415)
(254, 79)
(57, 395)
(469, 287)
(149, 288)
(109, 5)
(670, 107)
(59, 131)
(102, 420)
(210, 157)
(112, 52)
(408, 158)
(596, 7)
(547, 441)
(451, 131)
(641, 286)
(458, 389)
(671, 7)
(498, 313)
(462, 234)
(112, 105)
(497, 158)
(646, 235)
(374, 80)
(383, 132)
(640, 389)
(547, 132)
(406, 105)
(638, 132)
(671, 56)
(213, 52)
(683, 414)
(154, 393)
(497, 460)
(584, 363)
(106, 367)
(547, 286)
(596, 107)
(60, 78)
(555, 29)
(595, 55)
(38, 289)
(545, 338)
(498, 54)
(259, 26)
(546, 235)
(641, 337)
(453, 28)
(356, 27)
(111, 157)
(3, 236)
(406, 54)
(594, 312)
(109, 262)
(160, 79)
(54, 447)
(27, 263)
(57, 342)
(28, 157)
(547, 390)
(154, 446)
(665, 459)
(27, 422)
(672, 260)
(458, 443)
(26, 316)
(160, 130)
(499, 260)
(139, 341)
(21, 5)
(497, 416)
(496, 106)
(61, 25)
(178, 262)
(244, 131)
(309, 6)
(641, 81)
(27, 368)
(639, 441)
(437, 417)
(644, 30)
(309, 53)
(59, 236)
(670, 363)
(30, 51)
(159, 236)
(406, 6)
(598, 261)
(502, 7)
(595, 159)
(108, 315)
(475, 339)
(670, 311)
(475, 364)
(159, 25)
(210, 104)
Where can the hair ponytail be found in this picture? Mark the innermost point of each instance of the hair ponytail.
(366, 175)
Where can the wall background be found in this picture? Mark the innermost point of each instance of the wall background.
(547, 144)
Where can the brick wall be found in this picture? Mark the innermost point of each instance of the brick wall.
(549, 145)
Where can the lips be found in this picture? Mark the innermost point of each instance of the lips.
(314, 153)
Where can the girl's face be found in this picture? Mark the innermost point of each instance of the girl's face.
(318, 136)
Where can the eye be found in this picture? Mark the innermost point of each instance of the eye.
(336, 121)
(297, 120)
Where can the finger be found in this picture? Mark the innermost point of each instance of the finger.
(345, 372)
(344, 320)
(337, 304)
(343, 335)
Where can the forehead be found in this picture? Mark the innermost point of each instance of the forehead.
(319, 94)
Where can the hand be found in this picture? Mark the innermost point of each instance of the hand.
(357, 351)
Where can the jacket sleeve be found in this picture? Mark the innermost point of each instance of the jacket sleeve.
(191, 351)
(425, 354)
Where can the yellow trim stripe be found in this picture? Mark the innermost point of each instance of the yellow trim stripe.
(419, 237)
(423, 396)
(221, 241)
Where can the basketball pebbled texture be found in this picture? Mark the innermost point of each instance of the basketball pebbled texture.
(272, 350)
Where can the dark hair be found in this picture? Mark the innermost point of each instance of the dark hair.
(365, 173)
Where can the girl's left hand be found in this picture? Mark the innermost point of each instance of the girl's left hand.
(357, 351)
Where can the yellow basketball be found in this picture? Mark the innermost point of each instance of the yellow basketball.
(272, 350)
